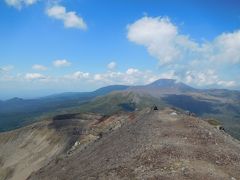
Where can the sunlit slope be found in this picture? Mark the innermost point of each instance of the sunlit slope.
(164, 144)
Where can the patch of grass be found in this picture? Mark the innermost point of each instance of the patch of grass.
(213, 122)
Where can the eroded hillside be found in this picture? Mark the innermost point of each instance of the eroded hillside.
(27, 149)
(148, 145)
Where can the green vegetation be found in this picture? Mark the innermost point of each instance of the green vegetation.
(213, 122)
(223, 105)
(17, 112)
(120, 101)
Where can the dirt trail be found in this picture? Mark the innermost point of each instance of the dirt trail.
(153, 145)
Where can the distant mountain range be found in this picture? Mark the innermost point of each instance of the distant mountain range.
(220, 104)
(17, 112)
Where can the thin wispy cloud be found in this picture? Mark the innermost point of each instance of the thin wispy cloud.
(20, 3)
(39, 67)
(61, 63)
(78, 75)
(34, 76)
(6, 68)
(130, 77)
(112, 65)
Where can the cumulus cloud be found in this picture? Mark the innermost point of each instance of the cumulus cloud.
(161, 38)
(164, 42)
(61, 63)
(207, 78)
(70, 19)
(112, 65)
(132, 71)
(130, 77)
(134, 76)
(33, 76)
(78, 75)
(225, 48)
(188, 59)
(39, 67)
(20, 3)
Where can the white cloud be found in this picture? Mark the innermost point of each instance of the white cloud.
(131, 76)
(6, 68)
(112, 65)
(225, 48)
(61, 63)
(70, 19)
(171, 74)
(20, 3)
(33, 76)
(39, 67)
(132, 71)
(98, 77)
(161, 38)
(228, 84)
(164, 42)
(6, 73)
(78, 75)
(207, 78)
(189, 60)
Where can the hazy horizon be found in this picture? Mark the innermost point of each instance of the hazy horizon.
(45, 93)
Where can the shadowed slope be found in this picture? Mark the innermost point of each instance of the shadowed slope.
(27, 149)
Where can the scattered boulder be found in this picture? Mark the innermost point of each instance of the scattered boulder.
(221, 128)
(173, 113)
(189, 113)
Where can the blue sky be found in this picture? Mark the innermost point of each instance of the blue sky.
(78, 45)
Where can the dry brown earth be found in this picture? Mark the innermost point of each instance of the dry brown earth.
(148, 145)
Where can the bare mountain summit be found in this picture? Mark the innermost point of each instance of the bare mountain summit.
(147, 144)
(163, 86)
